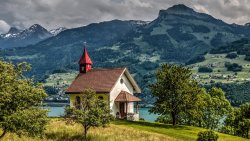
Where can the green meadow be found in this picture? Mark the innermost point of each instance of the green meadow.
(59, 130)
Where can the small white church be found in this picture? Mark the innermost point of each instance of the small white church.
(116, 86)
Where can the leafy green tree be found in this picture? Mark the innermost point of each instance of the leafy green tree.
(92, 112)
(20, 102)
(238, 122)
(195, 106)
(175, 92)
(218, 107)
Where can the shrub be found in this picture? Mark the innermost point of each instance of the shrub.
(205, 69)
(207, 136)
(164, 119)
(233, 67)
(212, 81)
(247, 58)
(231, 55)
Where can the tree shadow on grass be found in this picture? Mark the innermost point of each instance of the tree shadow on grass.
(150, 124)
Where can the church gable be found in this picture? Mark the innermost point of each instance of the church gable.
(103, 81)
(100, 80)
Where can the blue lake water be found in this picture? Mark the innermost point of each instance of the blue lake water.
(59, 111)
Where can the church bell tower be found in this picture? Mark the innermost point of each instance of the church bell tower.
(85, 63)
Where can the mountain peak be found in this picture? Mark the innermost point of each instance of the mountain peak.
(37, 29)
(180, 7)
(177, 9)
(56, 31)
(36, 26)
(13, 30)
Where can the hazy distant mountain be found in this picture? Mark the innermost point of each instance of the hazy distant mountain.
(67, 46)
(17, 38)
(54, 32)
(179, 33)
(13, 32)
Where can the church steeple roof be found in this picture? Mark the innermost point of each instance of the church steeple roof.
(85, 59)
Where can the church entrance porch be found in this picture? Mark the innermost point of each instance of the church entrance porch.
(125, 101)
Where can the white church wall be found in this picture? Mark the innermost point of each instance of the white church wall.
(124, 86)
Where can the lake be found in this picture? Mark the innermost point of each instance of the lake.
(143, 112)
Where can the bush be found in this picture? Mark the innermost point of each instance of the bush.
(205, 69)
(247, 58)
(231, 55)
(233, 67)
(164, 119)
(207, 136)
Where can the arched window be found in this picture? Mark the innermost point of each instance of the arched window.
(78, 102)
(100, 97)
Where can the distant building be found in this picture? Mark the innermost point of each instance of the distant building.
(116, 86)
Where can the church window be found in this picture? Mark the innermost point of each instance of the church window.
(78, 102)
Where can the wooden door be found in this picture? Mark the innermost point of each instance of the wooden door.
(122, 110)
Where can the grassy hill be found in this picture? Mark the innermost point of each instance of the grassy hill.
(236, 85)
(220, 72)
(58, 130)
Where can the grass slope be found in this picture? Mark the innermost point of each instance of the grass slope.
(58, 130)
(185, 133)
(220, 73)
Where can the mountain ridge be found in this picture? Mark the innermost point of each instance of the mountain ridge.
(173, 37)
(21, 38)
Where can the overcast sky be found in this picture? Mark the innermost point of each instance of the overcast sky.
(74, 13)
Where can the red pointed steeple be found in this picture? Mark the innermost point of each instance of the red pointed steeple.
(85, 62)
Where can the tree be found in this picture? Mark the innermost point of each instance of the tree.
(218, 107)
(231, 55)
(238, 122)
(205, 69)
(195, 105)
(175, 92)
(92, 112)
(233, 67)
(20, 102)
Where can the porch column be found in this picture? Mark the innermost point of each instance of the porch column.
(137, 107)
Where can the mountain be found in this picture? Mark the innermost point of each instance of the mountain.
(17, 38)
(65, 48)
(177, 35)
(54, 32)
(11, 33)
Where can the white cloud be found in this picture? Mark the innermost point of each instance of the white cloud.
(201, 9)
(73, 13)
(4, 27)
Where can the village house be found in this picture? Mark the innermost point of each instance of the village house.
(116, 86)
